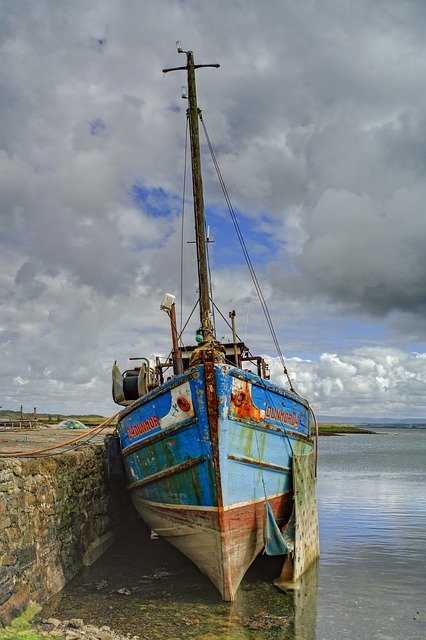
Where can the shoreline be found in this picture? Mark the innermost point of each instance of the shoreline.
(334, 429)
(29, 626)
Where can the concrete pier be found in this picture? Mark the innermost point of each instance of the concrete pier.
(57, 514)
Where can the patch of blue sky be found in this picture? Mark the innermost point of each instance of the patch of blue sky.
(333, 334)
(96, 126)
(175, 108)
(11, 238)
(156, 202)
(226, 250)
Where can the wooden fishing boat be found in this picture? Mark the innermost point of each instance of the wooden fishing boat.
(209, 454)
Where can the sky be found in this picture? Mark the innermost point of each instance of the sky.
(317, 115)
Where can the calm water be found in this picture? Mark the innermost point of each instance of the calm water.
(370, 583)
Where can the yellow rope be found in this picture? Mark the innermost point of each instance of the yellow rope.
(30, 454)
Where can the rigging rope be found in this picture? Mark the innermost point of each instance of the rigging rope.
(182, 225)
(261, 468)
(182, 237)
(210, 285)
(247, 256)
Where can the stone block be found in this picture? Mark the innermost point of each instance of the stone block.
(58, 514)
(14, 605)
(104, 635)
(5, 475)
(29, 499)
(7, 583)
(25, 556)
(12, 534)
(75, 623)
(7, 486)
(8, 560)
(54, 622)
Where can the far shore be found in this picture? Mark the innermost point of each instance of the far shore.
(333, 429)
(52, 419)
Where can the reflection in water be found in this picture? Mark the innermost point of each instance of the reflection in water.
(372, 510)
(143, 586)
(304, 602)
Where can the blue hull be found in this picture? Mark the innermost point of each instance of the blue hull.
(202, 452)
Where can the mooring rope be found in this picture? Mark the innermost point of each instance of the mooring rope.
(34, 454)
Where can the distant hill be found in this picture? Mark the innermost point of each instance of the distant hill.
(324, 421)
(371, 421)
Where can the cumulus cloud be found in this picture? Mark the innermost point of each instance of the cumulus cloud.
(378, 246)
(368, 383)
(318, 120)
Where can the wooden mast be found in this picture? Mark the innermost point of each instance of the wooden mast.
(197, 187)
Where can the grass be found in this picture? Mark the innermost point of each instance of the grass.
(20, 627)
(329, 428)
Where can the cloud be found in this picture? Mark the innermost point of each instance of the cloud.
(317, 117)
(367, 253)
(368, 383)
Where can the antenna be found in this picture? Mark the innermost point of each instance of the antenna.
(179, 47)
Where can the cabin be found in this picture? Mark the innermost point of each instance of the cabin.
(137, 382)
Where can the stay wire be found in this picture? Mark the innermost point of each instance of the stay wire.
(182, 243)
(211, 286)
(182, 232)
(261, 469)
(247, 256)
(230, 327)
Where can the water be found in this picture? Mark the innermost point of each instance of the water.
(370, 583)
(372, 504)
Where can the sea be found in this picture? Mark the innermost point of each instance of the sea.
(369, 584)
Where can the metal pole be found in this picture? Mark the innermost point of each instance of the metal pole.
(176, 354)
(234, 337)
(197, 187)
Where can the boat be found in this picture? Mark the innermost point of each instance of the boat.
(216, 453)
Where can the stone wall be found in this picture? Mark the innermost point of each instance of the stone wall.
(56, 514)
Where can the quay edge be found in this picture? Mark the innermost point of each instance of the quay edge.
(57, 514)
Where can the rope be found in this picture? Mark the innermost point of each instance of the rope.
(33, 454)
(210, 286)
(261, 470)
(247, 257)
